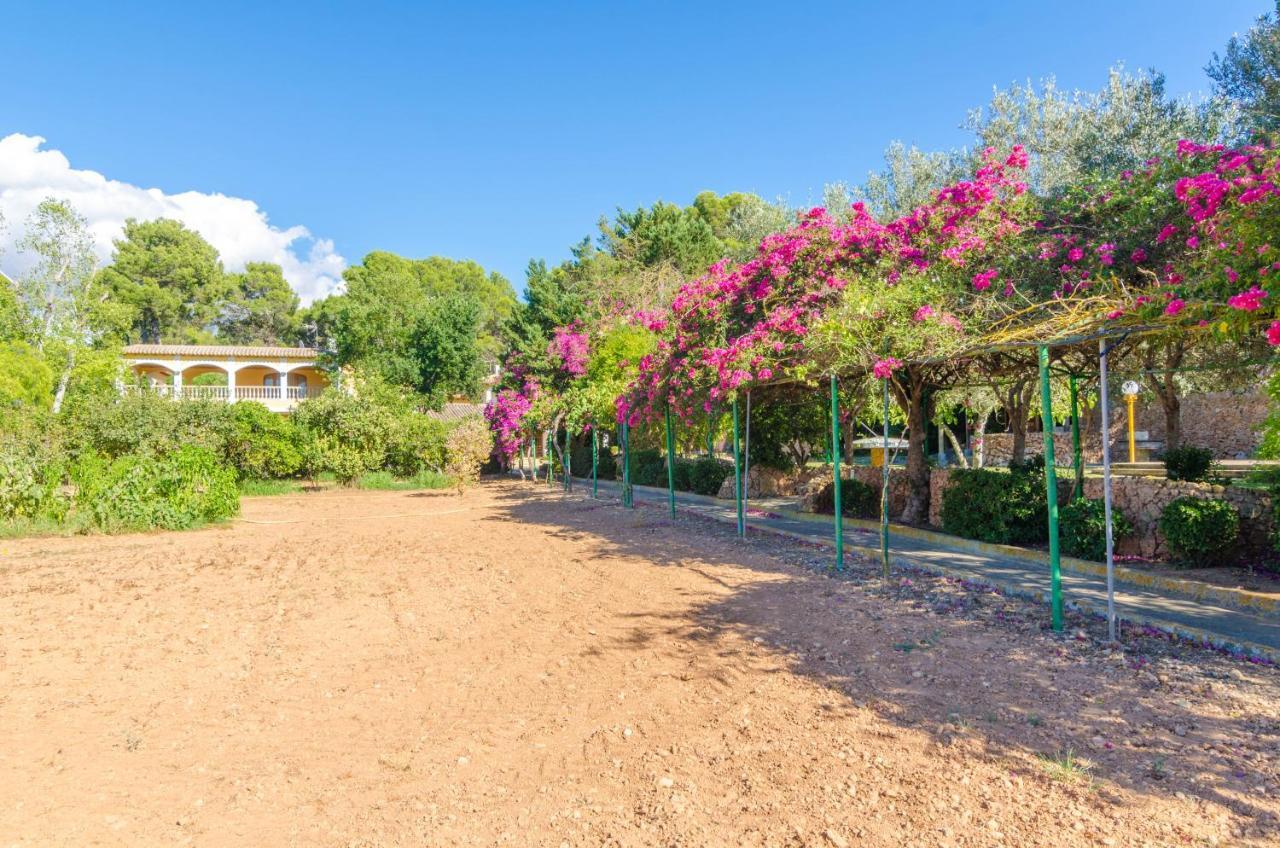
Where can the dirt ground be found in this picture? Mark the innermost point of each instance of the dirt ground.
(513, 667)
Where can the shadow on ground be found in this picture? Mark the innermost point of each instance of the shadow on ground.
(957, 662)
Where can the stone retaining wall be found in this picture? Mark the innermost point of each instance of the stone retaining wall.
(1142, 499)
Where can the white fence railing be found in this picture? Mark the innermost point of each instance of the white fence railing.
(258, 393)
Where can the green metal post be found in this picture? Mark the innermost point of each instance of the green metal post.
(671, 465)
(595, 461)
(626, 465)
(1077, 456)
(884, 489)
(1051, 491)
(737, 473)
(835, 472)
(568, 466)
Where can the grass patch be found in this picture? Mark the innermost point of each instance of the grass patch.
(383, 481)
(1067, 767)
(254, 488)
(18, 528)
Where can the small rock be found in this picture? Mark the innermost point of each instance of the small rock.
(836, 839)
(462, 761)
(1179, 730)
(666, 782)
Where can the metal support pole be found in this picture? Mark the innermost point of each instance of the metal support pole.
(746, 470)
(884, 490)
(671, 465)
(1106, 490)
(595, 461)
(1077, 455)
(1051, 492)
(836, 487)
(737, 473)
(627, 495)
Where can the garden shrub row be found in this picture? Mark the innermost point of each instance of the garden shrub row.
(857, 500)
(702, 476)
(142, 461)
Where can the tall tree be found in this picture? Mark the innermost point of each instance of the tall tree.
(56, 292)
(387, 297)
(167, 283)
(262, 309)
(1077, 136)
(1249, 74)
(444, 348)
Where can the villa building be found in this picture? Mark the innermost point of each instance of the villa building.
(278, 377)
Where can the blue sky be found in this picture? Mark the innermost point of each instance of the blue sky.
(502, 131)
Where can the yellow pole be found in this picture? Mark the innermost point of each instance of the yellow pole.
(1133, 446)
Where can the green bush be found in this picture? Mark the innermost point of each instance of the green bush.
(648, 468)
(997, 506)
(468, 447)
(1084, 528)
(1188, 463)
(580, 460)
(262, 444)
(705, 475)
(343, 435)
(416, 444)
(183, 489)
(1200, 531)
(30, 486)
(857, 500)
(146, 423)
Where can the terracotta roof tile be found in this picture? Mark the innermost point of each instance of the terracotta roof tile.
(238, 351)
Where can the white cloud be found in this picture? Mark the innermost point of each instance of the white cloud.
(237, 227)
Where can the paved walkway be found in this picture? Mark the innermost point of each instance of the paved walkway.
(1199, 619)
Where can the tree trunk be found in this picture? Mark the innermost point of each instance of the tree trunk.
(977, 441)
(955, 443)
(1172, 417)
(1017, 404)
(912, 398)
(63, 380)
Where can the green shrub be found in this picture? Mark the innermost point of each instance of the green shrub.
(1201, 531)
(706, 475)
(468, 447)
(857, 499)
(1084, 528)
(416, 444)
(996, 506)
(145, 423)
(30, 486)
(262, 444)
(580, 460)
(648, 468)
(1188, 463)
(183, 489)
(343, 435)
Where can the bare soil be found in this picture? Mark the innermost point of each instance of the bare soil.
(514, 667)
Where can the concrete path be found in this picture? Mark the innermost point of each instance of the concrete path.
(1199, 619)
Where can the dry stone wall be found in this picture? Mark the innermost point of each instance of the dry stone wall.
(1143, 499)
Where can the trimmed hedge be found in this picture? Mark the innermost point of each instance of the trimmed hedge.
(997, 506)
(1084, 528)
(1200, 531)
(1188, 463)
(857, 500)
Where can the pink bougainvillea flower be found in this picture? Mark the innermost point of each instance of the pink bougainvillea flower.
(884, 368)
(924, 313)
(1232, 274)
(1175, 306)
(983, 279)
(1138, 256)
(1273, 334)
(1247, 301)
